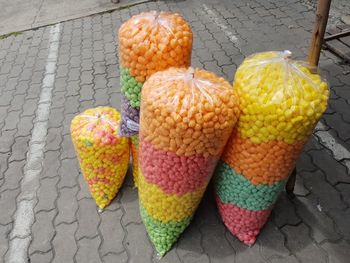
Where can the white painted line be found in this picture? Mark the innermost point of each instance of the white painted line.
(20, 236)
(339, 151)
(217, 21)
(19, 247)
(25, 213)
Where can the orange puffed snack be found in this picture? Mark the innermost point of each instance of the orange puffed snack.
(154, 41)
(148, 42)
(188, 111)
(264, 163)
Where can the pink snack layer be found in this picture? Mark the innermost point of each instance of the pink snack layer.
(244, 224)
(172, 173)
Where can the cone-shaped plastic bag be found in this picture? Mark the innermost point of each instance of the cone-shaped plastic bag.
(148, 42)
(281, 101)
(186, 118)
(102, 154)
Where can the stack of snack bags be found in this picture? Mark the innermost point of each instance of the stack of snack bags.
(186, 118)
(281, 101)
(148, 42)
(102, 154)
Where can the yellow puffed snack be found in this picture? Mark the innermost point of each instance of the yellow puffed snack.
(281, 99)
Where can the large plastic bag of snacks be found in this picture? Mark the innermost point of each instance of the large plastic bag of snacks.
(102, 154)
(281, 101)
(149, 42)
(187, 115)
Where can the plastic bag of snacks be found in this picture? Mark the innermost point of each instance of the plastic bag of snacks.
(281, 101)
(187, 115)
(102, 154)
(135, 158)
(149, 42)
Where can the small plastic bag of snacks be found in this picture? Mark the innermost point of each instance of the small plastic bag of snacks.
(186, 118)
(103, 155)
(281, 101)
(148, 42)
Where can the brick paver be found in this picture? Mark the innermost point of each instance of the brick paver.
(312, 227)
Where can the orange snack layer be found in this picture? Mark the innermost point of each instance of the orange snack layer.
(154, 41)
(264, 163)
(188, 111)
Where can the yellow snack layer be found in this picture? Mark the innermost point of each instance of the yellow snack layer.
(280, 99)
(164, 207)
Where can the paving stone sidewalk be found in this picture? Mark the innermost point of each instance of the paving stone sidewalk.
(312, 227)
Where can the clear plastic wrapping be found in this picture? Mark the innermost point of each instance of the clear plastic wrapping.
(186, 118)
(281, 101)
(102, 154)
(149, 42)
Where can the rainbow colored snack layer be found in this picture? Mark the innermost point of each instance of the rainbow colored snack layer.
(186, 118)
(149, 42)
(281, 101)
(102, 154)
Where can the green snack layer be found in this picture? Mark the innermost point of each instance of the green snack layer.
(130, 87)
(233, 188)
(135, 140)
(163, 235)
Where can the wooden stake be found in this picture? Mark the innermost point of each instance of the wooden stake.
(322, 13)
(291, 183)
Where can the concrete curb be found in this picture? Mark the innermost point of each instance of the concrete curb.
(85, 13)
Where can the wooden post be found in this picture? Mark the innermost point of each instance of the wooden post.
(322, 13)
(319, 30)
(291, 183)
